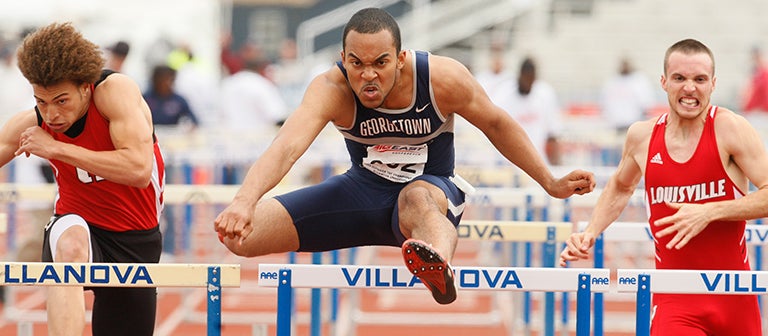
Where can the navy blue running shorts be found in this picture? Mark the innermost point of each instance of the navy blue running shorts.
(353, 209)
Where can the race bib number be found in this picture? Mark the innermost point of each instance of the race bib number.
(397, 163)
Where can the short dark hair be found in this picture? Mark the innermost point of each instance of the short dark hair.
(528, 66)
(688, 47)
(58, 53)
(160, 72)
(120, 48)
(371, 21)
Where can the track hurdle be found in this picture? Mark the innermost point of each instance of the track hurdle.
(288, 276)
(647, 281)
(212, 277)
(754, 234)
(547, 233)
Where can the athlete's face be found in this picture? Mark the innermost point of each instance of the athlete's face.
(373, 66)
(62, 104)
(689, 81)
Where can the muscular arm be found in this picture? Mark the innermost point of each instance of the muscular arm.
(622, 184)
(324, 100)
(456, 90)
(316, 110)
(10, 133)
(130, 127)
(615, 195)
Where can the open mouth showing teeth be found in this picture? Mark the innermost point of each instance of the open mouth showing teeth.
(689, 102)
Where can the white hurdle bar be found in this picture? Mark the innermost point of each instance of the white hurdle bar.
(547, 233)
(754, 234)
(643, 282)
(288, 276)
(213, 277)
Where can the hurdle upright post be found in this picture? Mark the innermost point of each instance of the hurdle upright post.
(316, 322)
(643, 314)
(582, 304)
(548, 255)
(598, 305)
(528, 246)
(214, 301)
(284, 303)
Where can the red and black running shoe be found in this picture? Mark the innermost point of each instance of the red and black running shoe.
(434, 272)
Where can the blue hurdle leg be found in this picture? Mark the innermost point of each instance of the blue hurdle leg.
(284, 303)
(643, 319)
(214, 301)
(583, 297)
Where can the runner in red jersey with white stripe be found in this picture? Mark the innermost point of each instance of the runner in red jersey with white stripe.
(95, 129)
(697, 161)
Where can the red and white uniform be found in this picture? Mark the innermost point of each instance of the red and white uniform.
(102, 203)
(720, 246)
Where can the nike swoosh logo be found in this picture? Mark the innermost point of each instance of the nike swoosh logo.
(419, 109)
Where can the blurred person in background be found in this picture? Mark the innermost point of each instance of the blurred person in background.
(755, 97)
(289, 74)
(16, 95)
(626, 97)
(95, 129)
(533, 103)
(233, 60)
(195, 82)
(252, 105)
(251, 102)
(168, 107)
(395, 109)
(496, 74)
(116, 55)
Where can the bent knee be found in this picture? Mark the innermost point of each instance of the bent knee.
(422, 196)
(72, 246)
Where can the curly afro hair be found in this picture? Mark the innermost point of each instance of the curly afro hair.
(58, 53)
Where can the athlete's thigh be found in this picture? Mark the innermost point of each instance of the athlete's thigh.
(439, 186)
(56, 228)
(736, 315)
(342, 212)
(273, 229)
(666, 323)
(679, 314)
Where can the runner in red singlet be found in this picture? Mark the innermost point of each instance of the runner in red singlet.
(697, 162)
(95, 129)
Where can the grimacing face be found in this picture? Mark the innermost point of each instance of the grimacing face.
(689, 82)
(373, 66)
(62, 104)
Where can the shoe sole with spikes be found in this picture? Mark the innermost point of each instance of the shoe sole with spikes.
(434, 272)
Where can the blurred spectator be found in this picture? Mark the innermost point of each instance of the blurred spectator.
(626, 97)
(116, 55)
(756, 95)
(16, 95)
(167, 106)
(157, 52)
(289, 74)
(169, 109)
(495, 74)
(233, 60)
(195, 82)
(250, 101)
(533, 103)
(230, 62)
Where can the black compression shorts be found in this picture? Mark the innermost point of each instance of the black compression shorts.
(128, 311)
